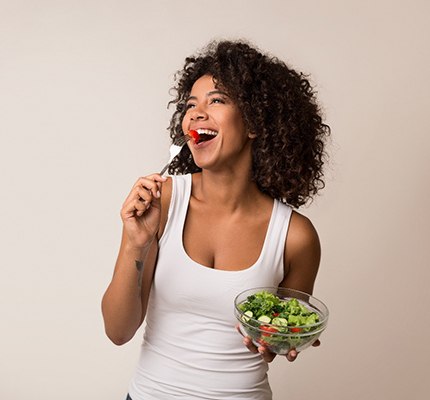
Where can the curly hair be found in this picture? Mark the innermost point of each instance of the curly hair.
(277, 104)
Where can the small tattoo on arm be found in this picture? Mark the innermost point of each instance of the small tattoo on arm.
(139, 267)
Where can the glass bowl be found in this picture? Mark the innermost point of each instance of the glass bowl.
(280, 335)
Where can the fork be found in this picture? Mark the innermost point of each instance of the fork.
(175, 149)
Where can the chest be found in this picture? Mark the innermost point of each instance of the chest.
(225, 241)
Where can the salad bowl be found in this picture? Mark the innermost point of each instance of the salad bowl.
(280, 319)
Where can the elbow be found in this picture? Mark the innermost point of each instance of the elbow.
(118, 329)
(119, 340)
(117, 334)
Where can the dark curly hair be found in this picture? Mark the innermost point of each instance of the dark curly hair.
(277, 104)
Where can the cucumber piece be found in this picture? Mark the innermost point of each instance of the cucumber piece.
(265, 319)
(247, 315)
(279, 321)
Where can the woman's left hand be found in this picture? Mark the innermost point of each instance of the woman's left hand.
(267, 355)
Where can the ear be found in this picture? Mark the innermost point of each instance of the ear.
(252, 135)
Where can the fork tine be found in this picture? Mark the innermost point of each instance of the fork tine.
(182, 140)
(175, 148)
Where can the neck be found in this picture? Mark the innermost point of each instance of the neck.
(228, 190)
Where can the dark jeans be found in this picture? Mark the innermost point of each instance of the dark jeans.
(128, 397)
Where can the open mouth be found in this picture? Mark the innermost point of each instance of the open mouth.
(205, 135)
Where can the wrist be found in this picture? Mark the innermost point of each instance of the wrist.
(138, 253)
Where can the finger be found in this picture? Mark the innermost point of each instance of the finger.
(247, 341)
(153, 177)
(239, 330)
(292, 355)
(136, 193)
(152, 183)
(267, 355)
(146, 189)
(134, 207)
(149, 186)
(142, 194)
(140, 206)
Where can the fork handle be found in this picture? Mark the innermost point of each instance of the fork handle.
(164, 168)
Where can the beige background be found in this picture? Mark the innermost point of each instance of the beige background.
(83, 93)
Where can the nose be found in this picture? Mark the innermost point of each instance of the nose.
(198, 113)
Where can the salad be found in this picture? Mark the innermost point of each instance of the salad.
(280, 324)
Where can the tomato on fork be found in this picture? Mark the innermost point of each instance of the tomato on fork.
(195, 135)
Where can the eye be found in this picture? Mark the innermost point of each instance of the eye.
(217, 100)
(189, 105)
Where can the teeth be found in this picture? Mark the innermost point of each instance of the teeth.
(206, 132)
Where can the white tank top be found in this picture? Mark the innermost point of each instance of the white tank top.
(191, 349)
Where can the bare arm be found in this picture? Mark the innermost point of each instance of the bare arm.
(124, 302)
(301, 262)
(302, 255)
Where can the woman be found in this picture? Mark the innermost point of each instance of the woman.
(223, 223)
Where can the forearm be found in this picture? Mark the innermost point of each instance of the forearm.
(122, 303)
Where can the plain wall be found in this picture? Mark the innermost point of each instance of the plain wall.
(83, 92)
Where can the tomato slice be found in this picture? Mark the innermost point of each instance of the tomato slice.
(295, 330)
(268, 330)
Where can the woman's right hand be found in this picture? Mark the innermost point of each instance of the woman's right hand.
(141, 211)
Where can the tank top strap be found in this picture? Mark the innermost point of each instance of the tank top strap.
(181, 192)
(274, 246)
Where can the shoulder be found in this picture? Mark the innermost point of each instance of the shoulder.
(301, 233)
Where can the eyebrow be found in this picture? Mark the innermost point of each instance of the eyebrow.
(208, 94)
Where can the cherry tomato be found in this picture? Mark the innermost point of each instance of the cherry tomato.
(195, 135)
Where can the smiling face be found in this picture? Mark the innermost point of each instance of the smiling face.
(223, 139)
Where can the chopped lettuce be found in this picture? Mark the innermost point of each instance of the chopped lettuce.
(277, 311)
(280, 324)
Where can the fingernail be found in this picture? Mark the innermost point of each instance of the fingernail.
(158, 194)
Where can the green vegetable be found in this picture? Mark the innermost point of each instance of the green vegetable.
(264, 310)
(269, 308)
(279, 321)
(265, 319)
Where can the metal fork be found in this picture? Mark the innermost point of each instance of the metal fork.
(175, 149)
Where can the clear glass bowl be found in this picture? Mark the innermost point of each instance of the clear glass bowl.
(281, 340)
